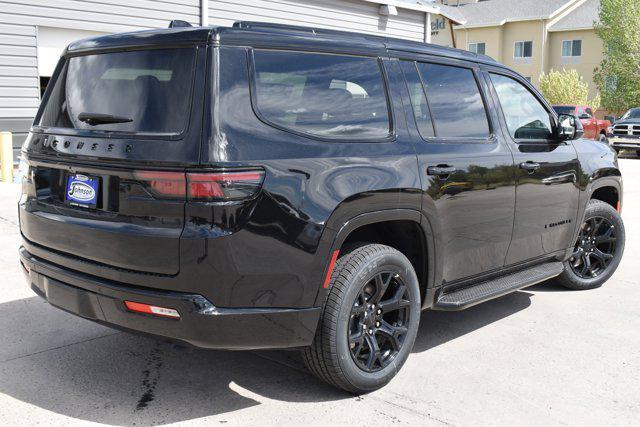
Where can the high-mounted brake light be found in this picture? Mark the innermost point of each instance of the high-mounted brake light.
(226, 185)
(152, 309)
(203, 186)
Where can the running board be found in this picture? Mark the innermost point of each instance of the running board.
(468, 296)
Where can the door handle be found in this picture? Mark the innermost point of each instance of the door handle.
(441, 170)
(530, 166)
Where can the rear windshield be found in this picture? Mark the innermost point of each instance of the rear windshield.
(144, 91)
(565, 110)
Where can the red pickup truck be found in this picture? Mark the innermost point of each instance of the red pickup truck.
(593, 128)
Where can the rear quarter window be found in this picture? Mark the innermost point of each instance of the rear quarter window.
(330, 96)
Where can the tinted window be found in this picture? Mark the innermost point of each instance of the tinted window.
(147, 91)
(526, 117)
(634, 113)
(565, 110)
(418, 99)
(325, 95)
(455, 101)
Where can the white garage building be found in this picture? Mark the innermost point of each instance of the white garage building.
(33, 33)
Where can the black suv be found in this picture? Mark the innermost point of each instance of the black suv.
(268, 186)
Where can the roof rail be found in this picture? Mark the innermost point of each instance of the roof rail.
(287, 27)
(178, 23)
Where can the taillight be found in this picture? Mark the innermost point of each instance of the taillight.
(203, 186)
(227, 185)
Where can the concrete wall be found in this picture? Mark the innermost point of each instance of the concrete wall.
(547, 48)
(592, 51)
(491, 36)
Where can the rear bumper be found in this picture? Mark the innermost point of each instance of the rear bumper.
(201, 323)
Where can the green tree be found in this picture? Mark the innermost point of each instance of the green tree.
(618, 76)
(566, 87)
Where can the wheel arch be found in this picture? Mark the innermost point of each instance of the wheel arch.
(365, 224)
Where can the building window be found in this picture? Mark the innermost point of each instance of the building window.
(523, 50)
(477, 48)
(571, 48)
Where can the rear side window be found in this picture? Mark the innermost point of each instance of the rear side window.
(146, 91)
(332, 96)
(456, 104)
(418, 99)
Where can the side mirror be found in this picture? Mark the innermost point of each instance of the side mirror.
(569, 127)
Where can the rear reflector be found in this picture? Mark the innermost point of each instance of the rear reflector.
(203, 186)
(152, 309)
(332, 264)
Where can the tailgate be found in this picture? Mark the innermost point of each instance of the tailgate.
(127, 228)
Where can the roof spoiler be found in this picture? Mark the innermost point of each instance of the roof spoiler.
(178, 23)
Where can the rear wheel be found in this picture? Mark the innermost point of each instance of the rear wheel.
(598, 249)
(369, 322)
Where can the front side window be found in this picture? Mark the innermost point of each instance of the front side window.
(477, 48)
(526, 117)
(457, 107)
(418, 99)
(571, 48)
(332, 96)
(144, 91)
(523, 50)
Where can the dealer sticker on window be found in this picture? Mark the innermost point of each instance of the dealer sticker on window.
(82, 190)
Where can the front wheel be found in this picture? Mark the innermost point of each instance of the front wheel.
(598, 249)
(369, 322)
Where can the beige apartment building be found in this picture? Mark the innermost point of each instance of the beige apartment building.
(531, 36)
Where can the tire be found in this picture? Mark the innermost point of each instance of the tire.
(602, 138)
(610, 227)
(340, 362)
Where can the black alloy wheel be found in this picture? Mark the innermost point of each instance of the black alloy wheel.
(370, 319)
(595, 248)
(378, 324)
(598, 249)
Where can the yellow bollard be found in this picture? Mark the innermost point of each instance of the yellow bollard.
(6, 156)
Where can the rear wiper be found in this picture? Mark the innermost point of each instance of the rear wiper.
(93, 119)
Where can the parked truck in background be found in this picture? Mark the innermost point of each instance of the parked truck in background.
(593, 128)
(625, 132)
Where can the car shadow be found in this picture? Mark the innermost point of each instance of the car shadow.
(85, 371)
